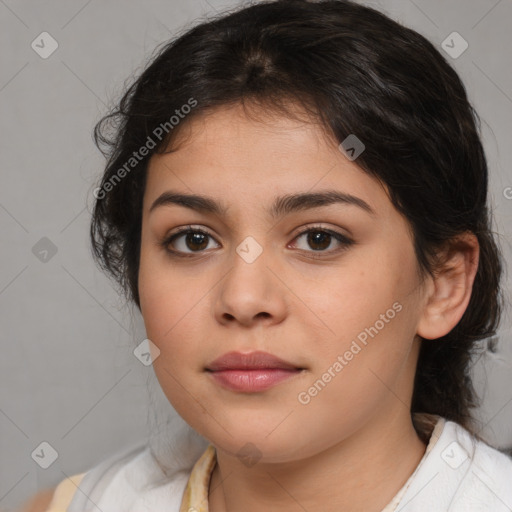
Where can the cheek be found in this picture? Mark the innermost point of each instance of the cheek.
(367, 310)
(168, 313)
(347, 299)
(162, 292)
(172, 324)
(172, 306)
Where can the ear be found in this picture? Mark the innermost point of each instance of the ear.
(451, 287)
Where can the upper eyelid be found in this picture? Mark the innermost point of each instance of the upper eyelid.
(188, 228)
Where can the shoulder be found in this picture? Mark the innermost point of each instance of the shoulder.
(482, 454)
(134, 478)
(131, 479)
(55, 499)
(59, 498)
(484, 472)
(39, 502)
(493, 467)
(460, 473)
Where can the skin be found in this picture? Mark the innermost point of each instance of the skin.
(38, 502)
(353, 446)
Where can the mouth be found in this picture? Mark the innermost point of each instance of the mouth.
(251, 372)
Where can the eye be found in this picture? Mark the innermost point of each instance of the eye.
(319, 239)
(188, 241)
(196, 240)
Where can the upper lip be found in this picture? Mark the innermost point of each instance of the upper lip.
(249, 361)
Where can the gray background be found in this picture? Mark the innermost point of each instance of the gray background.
(69, 376)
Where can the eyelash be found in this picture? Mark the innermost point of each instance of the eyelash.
(344, 240)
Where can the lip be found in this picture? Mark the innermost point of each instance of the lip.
(251, 372)
(252, 381)
(250, 361)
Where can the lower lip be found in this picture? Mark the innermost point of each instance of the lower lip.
(252, 380)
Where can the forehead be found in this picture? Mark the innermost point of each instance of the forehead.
(229, 154)
(238, 129)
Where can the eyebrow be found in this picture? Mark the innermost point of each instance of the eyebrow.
(281, 206)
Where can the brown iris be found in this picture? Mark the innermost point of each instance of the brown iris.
(200, 240)
(320, 238)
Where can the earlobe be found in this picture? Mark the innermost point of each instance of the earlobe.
(451, 288)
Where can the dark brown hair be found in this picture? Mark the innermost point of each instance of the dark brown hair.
(358, 72)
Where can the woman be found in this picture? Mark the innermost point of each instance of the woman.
(296, 200)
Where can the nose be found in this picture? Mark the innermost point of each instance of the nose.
(251, 292)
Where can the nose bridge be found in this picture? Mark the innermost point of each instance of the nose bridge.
(249, 249)
(249, 261)
(250, 288)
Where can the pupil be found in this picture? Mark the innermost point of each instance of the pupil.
(196, 238)
(319, 237)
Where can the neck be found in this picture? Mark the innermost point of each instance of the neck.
(362, 472)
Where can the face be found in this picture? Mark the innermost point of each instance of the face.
(330, 286)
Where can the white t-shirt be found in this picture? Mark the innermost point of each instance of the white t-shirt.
(458, 473)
